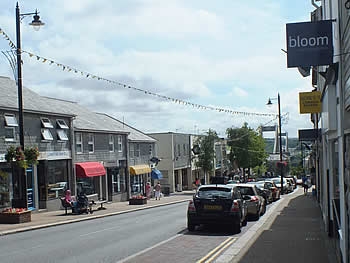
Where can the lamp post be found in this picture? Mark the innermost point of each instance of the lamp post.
(36, 23)
(280, 135)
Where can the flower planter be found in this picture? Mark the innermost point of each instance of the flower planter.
(137, 201)
(15, 218)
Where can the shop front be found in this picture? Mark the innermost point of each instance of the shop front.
(139, 175)
(91, 179)
(117, 182)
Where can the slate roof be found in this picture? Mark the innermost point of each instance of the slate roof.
(85, 119)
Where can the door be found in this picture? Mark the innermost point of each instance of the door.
(30, 188)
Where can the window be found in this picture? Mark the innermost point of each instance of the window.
(184, 146)
(137, 150)
(91, 143)
(150, 149)
(46, 123)
(62, 124)
(9, 134)
(111, 143)
(120, 144)
(62, 136)
(47, 136)
(78, 142)
(132, 151)
(10, 120)
(178, 150)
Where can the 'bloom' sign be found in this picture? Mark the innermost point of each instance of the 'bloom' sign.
(309, 44)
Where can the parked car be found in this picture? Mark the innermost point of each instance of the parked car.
(292, 182)
(276, 194)
(263, 190)
(217, 204)
(287, 188)
(255, 202)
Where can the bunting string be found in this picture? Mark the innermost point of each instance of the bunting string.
(70, 69)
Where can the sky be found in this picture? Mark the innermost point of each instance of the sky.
(164, 65)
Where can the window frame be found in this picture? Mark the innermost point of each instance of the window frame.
(120, 144)
(79, 142)
(8, 139)
(62, 125)
(111, 143)
(44, 132)
(62, 132)
(91, 142)
(12, 117)
(46, 122)
(137, 150)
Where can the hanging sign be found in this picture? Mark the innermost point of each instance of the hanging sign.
(310, 102)
(309, 44)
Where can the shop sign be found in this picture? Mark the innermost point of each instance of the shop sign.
(309, 44)
(55, 155)
(310, 102)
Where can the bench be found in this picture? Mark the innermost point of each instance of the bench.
(99, 202)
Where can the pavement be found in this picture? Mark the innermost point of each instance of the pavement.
(292, 229)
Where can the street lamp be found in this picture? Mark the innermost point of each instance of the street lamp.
(280, 135)
(36, 23)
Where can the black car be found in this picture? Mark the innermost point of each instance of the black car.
(217, 204)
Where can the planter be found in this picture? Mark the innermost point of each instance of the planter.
(15, 218)
(137, 201)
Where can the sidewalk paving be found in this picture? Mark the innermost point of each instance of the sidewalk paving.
(47, 219)
(295, 233)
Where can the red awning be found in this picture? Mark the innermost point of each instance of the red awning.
(89, 169)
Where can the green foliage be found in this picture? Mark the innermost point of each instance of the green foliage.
(207, 151)
(247, 147)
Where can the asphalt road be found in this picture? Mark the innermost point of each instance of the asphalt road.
(106, 239)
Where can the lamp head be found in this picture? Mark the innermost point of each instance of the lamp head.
(269, 103)
(36, 23)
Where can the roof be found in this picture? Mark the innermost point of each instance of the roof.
(85, 119)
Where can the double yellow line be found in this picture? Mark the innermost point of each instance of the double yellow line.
(216, 251)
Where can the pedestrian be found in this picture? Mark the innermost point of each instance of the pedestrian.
(305, 186)
(148, 190)
(198, 182)
(158, 189)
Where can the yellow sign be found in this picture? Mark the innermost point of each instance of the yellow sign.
(310, 102)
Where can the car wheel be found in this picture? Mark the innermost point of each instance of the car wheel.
(191, 227)
(236, 227)
(263, 210)
(244, 222)
(257, 215)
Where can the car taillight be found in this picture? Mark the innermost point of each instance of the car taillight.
(235, 206)
(191, 206)
(254, 199)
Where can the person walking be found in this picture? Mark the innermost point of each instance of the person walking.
(158, 189)
(305, 186)
(148, 190)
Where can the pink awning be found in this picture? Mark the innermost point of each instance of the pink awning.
(89, 169)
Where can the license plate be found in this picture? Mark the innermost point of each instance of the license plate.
(212, 207)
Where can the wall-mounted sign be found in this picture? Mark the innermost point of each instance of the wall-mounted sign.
(309, 43)
(310, 102)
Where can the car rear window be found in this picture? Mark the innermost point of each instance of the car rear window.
(214, 192)
(245, 190)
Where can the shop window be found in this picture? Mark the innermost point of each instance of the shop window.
(111, 143)
(57, 179)
(46, 123)
(78, 142)
(62, 136)
(62, 124)
(5, 182)
(87, 185)
(9, 134)
(120, 143)
(91, 143)
(136, 184)
(10, 120)
(46, 135)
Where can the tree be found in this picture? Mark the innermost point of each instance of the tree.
(206, 151)
(247, 147)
